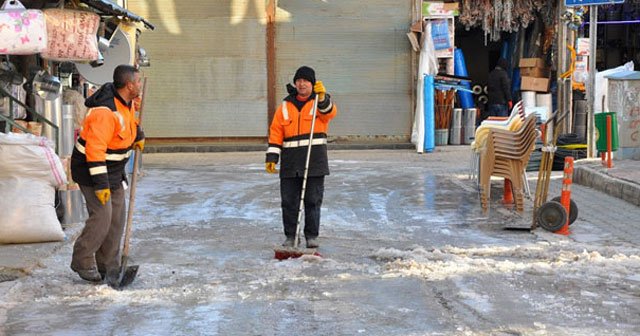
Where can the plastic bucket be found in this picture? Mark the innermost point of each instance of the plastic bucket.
(442, 137)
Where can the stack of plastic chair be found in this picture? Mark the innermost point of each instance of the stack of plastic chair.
(513, 122)
(506, 154)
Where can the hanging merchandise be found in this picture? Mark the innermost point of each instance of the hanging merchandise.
(72, 35)
(120, 50)
(22, 31)
(12, 83)
(440, 34)
(497, 16)
(12, 109)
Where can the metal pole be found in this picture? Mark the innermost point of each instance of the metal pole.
(591, 104)
(562, 58)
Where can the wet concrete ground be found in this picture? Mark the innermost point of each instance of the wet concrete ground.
(406, 251)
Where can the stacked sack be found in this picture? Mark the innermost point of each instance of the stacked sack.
(30, 171)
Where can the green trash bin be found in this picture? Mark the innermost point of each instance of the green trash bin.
(601, 131)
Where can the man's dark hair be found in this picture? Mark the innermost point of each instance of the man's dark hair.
(503, 63)
(123, 74)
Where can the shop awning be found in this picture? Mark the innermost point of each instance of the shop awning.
(111, 8)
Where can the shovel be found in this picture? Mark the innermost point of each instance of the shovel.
(282, 253)
(126, 274)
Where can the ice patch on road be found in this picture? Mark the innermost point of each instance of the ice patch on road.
(538, 259)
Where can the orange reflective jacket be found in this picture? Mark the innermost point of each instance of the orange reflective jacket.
(104, 146)
(289, 137)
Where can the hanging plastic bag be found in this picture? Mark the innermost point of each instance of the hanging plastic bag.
(22, 31)
(72, 35)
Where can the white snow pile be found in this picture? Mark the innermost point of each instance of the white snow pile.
(538, 259)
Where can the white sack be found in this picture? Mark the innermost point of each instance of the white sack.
(29, 172)
(28, 213)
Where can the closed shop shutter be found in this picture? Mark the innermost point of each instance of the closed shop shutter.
(208, 68)
(360, 51)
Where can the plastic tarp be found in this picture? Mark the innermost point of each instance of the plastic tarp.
(428, 65)
(460, 69)
(29, 173)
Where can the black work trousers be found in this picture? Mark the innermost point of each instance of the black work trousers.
(290, 191)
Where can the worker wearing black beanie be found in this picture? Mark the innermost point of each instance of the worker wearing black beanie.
(288, 143)
(307, 73)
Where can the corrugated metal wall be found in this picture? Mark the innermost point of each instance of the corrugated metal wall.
(360, 51)
(208, 68)
(208, 74)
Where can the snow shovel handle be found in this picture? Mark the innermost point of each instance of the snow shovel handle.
(134, 180)
(306, 171)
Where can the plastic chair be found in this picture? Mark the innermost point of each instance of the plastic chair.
(507, 154)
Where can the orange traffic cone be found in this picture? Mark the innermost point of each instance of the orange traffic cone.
(565, 196)
(507, 197)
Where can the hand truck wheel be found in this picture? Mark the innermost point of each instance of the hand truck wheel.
(552, 216)
(573, 210)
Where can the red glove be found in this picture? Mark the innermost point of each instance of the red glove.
(510, 103)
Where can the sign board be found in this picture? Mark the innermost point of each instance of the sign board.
(570, 3)
(431, 8)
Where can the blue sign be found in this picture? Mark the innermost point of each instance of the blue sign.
(570, 3)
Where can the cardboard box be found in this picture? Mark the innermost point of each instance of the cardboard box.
(534, 84)
(534, 72)
(430, 8)
(531, 63)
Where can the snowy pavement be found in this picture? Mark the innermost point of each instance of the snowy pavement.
(406, 251)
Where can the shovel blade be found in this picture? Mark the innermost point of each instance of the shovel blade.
(129, 275)
(124, 278)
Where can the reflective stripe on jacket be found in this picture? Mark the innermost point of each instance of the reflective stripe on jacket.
(289, 137)
(104, 145)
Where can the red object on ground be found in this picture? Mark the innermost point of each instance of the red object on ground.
(606, 157)
(507, 197)
(565, 196)
(290, 253)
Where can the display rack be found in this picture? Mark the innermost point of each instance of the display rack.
(445, 56)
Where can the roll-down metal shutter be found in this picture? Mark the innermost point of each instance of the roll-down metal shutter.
(208, 68)
(360, 51)
(208, 73)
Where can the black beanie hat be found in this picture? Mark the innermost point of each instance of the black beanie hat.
(307, 73)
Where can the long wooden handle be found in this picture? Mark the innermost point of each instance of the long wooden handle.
(134, 179)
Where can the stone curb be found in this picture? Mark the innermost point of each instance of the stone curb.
(589, 177)
(263, 147)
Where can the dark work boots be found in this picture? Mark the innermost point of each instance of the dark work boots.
(90, 274)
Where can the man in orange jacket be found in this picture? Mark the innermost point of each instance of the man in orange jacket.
(288, 141)
(109, 132)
